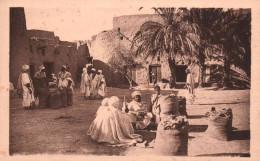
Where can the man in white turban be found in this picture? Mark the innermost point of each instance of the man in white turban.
(102, 87)
(140, 117)
(85, 83)
(25, 84)
(94, 83)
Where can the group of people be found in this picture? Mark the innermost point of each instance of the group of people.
(115, 125)
(93, 83)
(30, 89)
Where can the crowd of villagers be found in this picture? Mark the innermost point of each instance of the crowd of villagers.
(93, 83)
(113, 124)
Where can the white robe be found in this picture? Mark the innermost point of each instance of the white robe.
(102, 89)
(87, 83)
(112, 126)
(28, 98)
(94, 85)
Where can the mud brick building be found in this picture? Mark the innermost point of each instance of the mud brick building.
(19, 51)
(37, 47)
(101, 48)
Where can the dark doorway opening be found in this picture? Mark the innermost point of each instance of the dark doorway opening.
(89, 60)
(32, 70)
(181, 73)
(48, 69)
(155, 73)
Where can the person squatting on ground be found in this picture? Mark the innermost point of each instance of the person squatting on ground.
(102, 87)
(112, 126)
(85, 84)
(40, 81)
(25, 85)
(137, 112)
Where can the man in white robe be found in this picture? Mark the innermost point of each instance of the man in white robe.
(25, 83)
(102, 88)
(94, 83)
(85, 84)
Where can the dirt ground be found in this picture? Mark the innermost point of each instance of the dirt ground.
(63, 131)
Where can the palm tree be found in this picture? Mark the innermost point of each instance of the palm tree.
(176, 36)
(207, 19)
(228, 35)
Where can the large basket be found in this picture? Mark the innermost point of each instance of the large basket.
(55, 99)
(171, 142)
(69, 96)
(220, 127)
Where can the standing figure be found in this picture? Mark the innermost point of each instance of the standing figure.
(63, 77)
(190, 81)
(26, 86)
(94, 83)
(102, 87)
(39, 81)
(65, 81)
(85, 83)
(155, 105)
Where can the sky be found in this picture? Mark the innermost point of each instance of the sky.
(76, 23)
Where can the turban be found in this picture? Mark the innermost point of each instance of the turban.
(100, 71)
(64, 66)
(41, 67)
(105, 102)
(135, 93)
(25, 67)
(113, 101)
(93, 69)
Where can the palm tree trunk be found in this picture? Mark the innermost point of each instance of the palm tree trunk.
(201, 75)
(172, 66)
(226, 73)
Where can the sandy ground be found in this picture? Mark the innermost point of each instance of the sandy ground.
(63, 131)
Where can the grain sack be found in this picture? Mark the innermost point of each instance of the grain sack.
(171, 141)
(63, 97)
(182, 105)
(220, 125)
(69, 96)
(55, 99)
(168, 106)
(43, 97)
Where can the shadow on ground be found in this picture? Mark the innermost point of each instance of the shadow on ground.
(225, 154)
(241, 135)
(198, 128)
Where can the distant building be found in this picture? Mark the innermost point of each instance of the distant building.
(47, 49)
(101, 48)
(37, 47)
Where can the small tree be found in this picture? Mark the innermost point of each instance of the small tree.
(124, 61)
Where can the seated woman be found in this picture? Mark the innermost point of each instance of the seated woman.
(112, 125)
(138, 113)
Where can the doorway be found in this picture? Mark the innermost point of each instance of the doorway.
(48, 69)
(155, 73)
(181, 73)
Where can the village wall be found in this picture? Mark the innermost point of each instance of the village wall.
(19, 53)
(56, 52)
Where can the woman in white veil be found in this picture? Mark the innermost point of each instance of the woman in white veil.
(112, 125)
